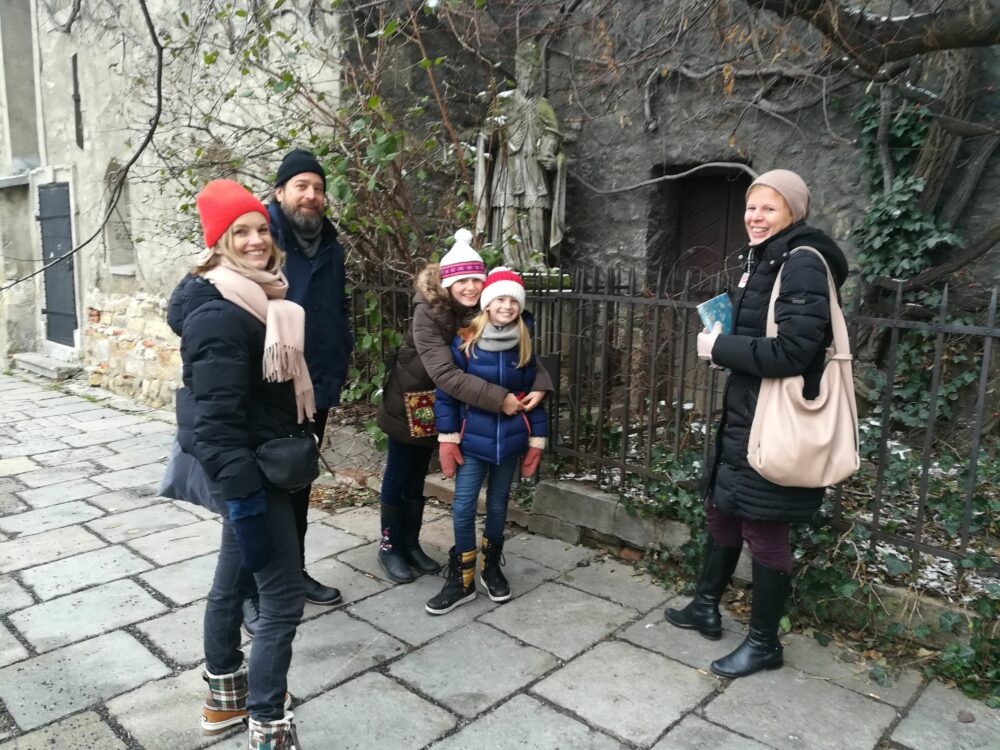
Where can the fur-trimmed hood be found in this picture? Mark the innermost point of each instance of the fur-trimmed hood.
(427, 285)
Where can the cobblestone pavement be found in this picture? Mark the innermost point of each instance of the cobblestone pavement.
(102, 588)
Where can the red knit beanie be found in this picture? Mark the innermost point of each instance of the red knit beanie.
(502, 282)
(222, 202)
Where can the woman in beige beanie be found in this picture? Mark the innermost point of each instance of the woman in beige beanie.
(742, 506)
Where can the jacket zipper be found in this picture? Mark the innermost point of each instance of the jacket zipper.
(501, 414)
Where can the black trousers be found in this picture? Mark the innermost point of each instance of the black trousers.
(300, 500)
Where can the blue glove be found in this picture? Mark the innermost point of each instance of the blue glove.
(249, 518)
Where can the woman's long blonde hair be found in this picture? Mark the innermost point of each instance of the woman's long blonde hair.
(224, 249)
(475, 332)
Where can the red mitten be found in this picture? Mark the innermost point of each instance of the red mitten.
(451, 458)
(529, 464)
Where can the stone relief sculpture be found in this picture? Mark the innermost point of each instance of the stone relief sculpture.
(520, 182)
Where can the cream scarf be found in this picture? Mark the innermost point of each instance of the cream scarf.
(262, 294)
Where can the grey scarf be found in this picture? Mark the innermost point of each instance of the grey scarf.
(496, 339)
(308, 243)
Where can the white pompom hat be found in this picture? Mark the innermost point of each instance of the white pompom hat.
(462, 262)
(502, 282)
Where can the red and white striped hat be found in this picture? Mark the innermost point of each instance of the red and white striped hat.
(502, 282)
(461, 262)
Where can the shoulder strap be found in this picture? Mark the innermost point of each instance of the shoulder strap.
(841, 344)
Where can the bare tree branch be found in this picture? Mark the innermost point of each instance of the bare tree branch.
(874, 39)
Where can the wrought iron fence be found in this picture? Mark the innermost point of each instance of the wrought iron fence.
(631, 395)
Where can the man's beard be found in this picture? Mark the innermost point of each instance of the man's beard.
(305, 223)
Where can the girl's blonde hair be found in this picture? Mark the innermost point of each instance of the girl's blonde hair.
(478, 325)
(224, 249)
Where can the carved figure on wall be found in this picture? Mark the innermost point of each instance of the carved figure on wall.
(520, 189)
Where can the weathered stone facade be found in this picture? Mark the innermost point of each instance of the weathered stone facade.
(130, 349)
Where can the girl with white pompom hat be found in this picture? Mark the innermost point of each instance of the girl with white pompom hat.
(446, 298)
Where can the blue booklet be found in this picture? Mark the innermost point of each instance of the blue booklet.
(717, 310)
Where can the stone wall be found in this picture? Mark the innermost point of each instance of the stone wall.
(130, 349)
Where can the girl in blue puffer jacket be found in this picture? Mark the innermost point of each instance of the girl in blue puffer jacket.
(472, 442)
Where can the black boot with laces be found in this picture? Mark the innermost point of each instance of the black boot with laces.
(491, 577)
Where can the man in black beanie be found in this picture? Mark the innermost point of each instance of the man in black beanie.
(314, 266)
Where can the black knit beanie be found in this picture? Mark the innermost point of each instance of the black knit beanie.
(297, 161)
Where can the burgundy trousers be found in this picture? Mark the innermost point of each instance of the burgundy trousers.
(767, 540)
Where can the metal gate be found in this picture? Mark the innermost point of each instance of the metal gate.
(57, 241)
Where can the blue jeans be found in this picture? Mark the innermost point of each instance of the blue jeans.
(405, 470)
(282, 595)
(468, 482)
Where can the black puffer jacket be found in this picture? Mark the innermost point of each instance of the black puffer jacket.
(226, 409)
(802, 313)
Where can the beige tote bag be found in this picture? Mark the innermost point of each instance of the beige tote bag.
(797, 442)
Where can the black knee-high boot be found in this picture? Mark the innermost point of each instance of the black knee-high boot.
(389, 550)
(412, 518)
(702, 612)
(761, 649)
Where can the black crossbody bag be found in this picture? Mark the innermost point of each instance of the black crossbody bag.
(289, 463)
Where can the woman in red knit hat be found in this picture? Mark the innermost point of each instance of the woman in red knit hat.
(245, 382)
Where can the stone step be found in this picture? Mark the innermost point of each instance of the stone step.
(47, 367)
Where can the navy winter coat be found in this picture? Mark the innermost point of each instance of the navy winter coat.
(225, 409)
(318, 284)
(802, 313)
(487, 436)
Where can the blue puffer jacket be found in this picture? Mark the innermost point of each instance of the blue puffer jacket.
(319, 286)
(491, 437)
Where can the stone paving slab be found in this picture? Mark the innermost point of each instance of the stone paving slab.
(400, 611)
(371, 711)
(936, 721)
(37, 444)
(618, 581)
(354, 585)
(55, 494)
(47, 519)
(360, 522)
(56, 474)
(9, 504)
(186, 581)
(552, 553)
(137, 442)
(470, 669)
(60, 683)
(82, 571)
(84, 614)
(781, 709)
(85, 731)
(626, 690)
(527, 724)
(179, 633)
(12, 595)
(181, 543)
(99, 437)
(157, 517)
(559, 619)
(18, 465)
(11, 649)
(694, 733)
(36, 549)
(119, 480)
(807, 655)
(161, 714)
(69, 455)
(686, 646)
(333, 648)
(324, 541)
(115, 502)
(138, 457)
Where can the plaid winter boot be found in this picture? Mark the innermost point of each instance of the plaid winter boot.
(274, 735)
(226, 704)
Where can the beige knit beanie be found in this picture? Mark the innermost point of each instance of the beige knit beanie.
(792, 188)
